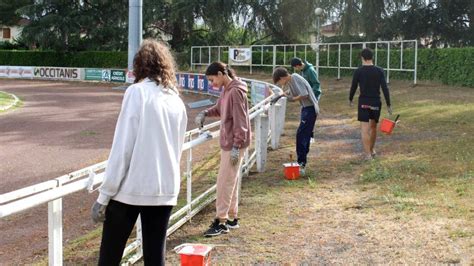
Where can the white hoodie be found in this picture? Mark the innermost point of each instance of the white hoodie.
(143, 166)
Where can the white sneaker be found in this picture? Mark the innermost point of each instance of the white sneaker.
(302, 170)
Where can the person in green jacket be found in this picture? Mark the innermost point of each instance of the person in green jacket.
(309, 73)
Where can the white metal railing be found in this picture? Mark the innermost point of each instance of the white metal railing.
(294, 50)
(268, 121)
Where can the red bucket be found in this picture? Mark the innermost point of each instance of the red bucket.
(194, 254)
(388, 125)
(292, 171)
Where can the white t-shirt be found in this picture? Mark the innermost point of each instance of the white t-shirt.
(143, 166)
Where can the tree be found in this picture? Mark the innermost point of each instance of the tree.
(8, 11)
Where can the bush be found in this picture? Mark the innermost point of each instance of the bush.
(49, 58)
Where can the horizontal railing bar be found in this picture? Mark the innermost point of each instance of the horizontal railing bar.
(28, 191)
(46, 196)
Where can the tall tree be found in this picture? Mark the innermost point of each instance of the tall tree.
(8, 11)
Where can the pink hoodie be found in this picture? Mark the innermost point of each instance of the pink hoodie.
(232, 108)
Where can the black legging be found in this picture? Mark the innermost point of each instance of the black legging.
(119, 221)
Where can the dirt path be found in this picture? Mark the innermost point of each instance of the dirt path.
(329, 217)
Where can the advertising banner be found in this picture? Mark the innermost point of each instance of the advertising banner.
(97, 74)
(93, 74)
(259, 91)
(202, 83)
(213, 90)
(183, 81)
(117, 75)
(240, 56)
(14, 72)
(130, 77)
(3, 71)
(26, 72)
(57, 73)
(192, 82)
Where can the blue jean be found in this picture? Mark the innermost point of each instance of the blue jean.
(304, 133)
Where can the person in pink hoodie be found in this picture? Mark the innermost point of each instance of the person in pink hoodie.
(235, 135)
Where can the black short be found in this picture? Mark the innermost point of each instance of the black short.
(366, 112)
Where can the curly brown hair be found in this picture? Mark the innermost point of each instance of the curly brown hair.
(154, 61)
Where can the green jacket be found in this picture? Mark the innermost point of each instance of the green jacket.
(309, 73)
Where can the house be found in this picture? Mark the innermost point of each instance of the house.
(329, 30)
(12, 33)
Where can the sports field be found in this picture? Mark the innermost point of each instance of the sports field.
(412, 205)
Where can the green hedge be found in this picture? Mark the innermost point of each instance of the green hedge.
(450, 65)
(50, 58)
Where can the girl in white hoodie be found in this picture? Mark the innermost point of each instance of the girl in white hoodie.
(143, 175)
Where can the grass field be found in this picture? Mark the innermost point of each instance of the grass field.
(412, 205)
(6, 100)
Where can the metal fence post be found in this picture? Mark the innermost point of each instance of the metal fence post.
(388, 62)
(251, 58)
(55, 232)
(191, 58)
(317, 58)
(261, 136)
(401, 55)
(376, 52)
(339, 62)
(274, 57)
(350, 55)
(416, 61)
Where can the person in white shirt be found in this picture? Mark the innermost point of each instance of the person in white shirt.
(142, 176)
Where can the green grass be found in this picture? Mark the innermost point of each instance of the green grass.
(425, 172)
(5, 100)
(430, 156)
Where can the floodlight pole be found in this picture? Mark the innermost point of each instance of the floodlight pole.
(318, 13)
(135, 33)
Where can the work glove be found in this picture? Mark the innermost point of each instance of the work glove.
(350, 103)
(234, 155)
(389, 110)
(200, 118)
(98, 212)
(275, 99)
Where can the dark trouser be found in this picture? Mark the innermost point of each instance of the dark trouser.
(119, 221)
(304, 133)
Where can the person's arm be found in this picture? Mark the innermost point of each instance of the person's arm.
(122, 146)
(215, 110)
(385, 90)
(355, 81)
(239, 116)
(302, 86)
